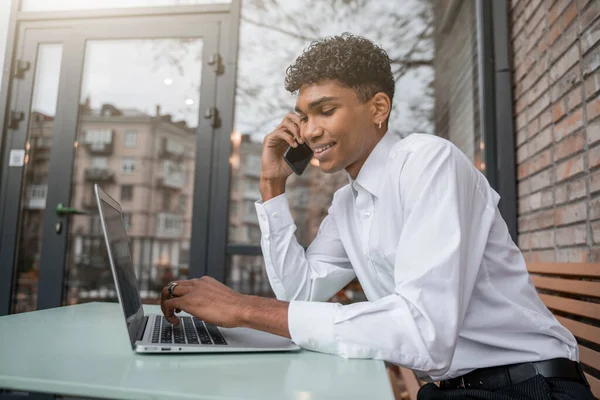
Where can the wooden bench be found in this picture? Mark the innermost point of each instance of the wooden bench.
(572, 292)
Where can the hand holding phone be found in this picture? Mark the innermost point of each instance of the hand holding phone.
(298, 158)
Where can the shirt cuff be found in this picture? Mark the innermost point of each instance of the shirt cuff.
(274, 214)
(311, 325)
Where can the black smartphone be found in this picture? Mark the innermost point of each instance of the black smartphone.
(298, 158)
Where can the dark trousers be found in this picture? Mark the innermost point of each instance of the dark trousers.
(536, 388)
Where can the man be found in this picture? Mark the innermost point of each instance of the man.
(449, 294)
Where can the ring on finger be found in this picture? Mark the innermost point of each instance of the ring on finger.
(170, 289)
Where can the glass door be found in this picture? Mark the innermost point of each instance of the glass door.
(32, 113)
(133, 111)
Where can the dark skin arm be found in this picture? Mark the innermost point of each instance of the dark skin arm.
(211, 301)
(214, 302)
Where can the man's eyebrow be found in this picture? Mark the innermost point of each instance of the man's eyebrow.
(316, 103)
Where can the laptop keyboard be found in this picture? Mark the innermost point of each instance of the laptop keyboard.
(191, 330)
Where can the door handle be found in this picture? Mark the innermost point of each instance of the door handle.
(62, 210)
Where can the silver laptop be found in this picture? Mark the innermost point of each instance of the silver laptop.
(152, 333)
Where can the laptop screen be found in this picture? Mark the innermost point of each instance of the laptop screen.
(123, 271)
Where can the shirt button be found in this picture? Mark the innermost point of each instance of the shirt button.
(274, 215)
(367, 214)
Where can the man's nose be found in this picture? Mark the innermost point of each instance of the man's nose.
(311, 131)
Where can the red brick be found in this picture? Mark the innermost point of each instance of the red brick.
(569, 14)
(523, 224)
(588, 15)
(535, 164)
(590, 37)
(521, 122)
(538, 106)
(541, 220)
(593, 109)
(593, 132)
(533, 128)
(554, 33)
(594, 157)
(524, 241)
(594, 182)
(520, 105)
(569, 168)
(567, 40)
(541, 256)
(522, 154)
(570, 145)
(523, 188)
(538, 89)
(565, 62)
(541, 180)
(545, 119)
(596, 232)
(594, 255)
(591, 86)
(557, 10)
(572, 255)
(569, 125)
(530, 9)
(571, 235)
(567, 83)
(571, 213)
(541, 200)
(573, 98)
(594, 208)
(542, 239)
(558, 110)
(540, 141)
(570, 191)
(590, 62)
(523, 206)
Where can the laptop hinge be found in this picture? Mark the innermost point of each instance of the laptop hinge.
(142, 329)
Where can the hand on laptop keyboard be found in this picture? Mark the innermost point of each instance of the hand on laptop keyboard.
(205, 298)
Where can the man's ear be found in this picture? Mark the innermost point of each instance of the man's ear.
(381, 108)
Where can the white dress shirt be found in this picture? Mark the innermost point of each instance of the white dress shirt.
(447, 288)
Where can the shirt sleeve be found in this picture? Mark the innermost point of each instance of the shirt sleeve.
(447, 217)
(295, 274)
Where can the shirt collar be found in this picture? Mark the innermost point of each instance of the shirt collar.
(370, 175)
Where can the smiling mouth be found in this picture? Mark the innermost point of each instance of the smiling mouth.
(321, 149)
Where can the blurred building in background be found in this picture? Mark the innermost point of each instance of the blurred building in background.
(170, 121)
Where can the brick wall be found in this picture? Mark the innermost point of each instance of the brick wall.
(556, 86)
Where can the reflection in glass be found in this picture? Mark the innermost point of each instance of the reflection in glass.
(272, 35)
(136, 139)
(35, 176)
(60, 5)
(246, 274)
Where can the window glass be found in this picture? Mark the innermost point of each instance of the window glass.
(59, 5)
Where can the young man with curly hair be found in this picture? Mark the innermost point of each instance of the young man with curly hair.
(448, 292)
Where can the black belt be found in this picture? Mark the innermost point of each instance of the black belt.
(493, 378)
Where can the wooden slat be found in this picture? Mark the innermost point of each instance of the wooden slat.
(585, 288)
(589, 357)
(579, 329)
(577, 307)
(594, 385)
(410, 381)
(580, 269)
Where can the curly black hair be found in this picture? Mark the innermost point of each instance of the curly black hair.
(353, 61)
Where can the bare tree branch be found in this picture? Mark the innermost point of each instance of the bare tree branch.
(280, 30)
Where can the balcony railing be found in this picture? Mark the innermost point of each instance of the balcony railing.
(172, 181)
(99, 175)
(36, 197)
(169, 225)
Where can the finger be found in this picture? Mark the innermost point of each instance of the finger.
(291, 128)
(295, 119)
(164, 293)
(286, 137)
(170, 305)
